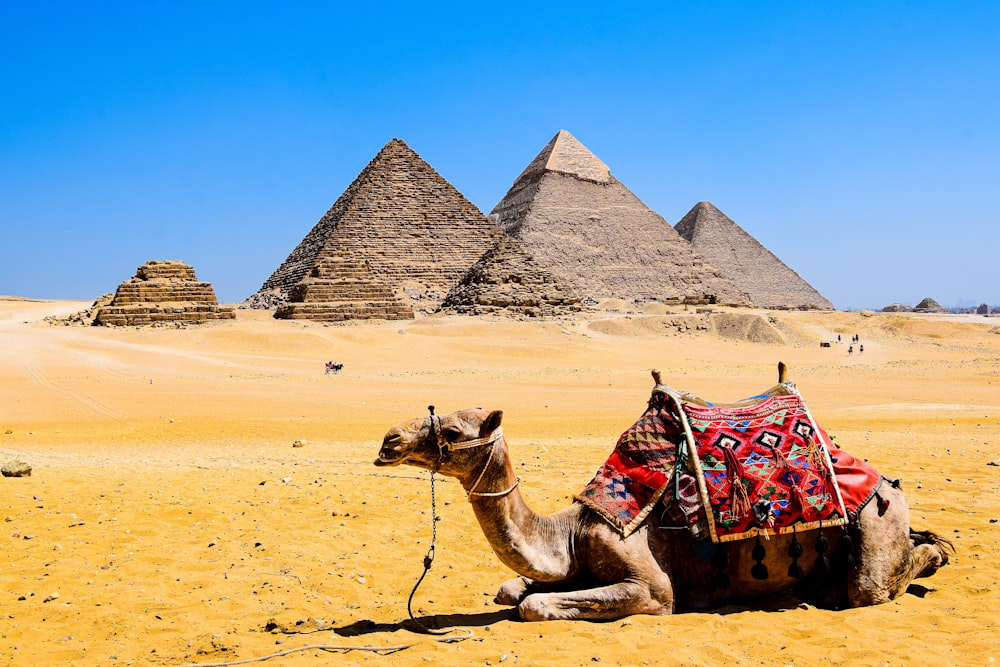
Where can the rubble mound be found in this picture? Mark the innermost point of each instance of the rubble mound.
(507, 279)
(749, 327)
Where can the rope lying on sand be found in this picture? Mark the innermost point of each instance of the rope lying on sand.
(381, 650)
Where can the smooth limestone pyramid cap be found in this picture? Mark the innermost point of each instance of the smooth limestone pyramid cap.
(566, 155)
(738, 255)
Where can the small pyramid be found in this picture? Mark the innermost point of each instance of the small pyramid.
(737, 254)
(410, 226)
(163, 292)
(507, 279)
(929, 305)
(342, 287)
(595, 236)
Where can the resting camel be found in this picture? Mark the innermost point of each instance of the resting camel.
(574, 565)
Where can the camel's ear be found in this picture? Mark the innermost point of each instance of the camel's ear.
(491, 423)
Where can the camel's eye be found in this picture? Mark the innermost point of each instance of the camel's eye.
(451, 433)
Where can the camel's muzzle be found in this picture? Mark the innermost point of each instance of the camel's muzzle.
(381, 461)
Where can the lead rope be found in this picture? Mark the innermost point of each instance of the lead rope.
(429, 558)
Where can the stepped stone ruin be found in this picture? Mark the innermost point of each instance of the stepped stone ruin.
(929, 305)
(399, 227)
(342, 287)
(163, 292)
(507, 279)
(738, 255)
(598, 238)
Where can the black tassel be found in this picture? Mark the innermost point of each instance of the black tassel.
(721, 580)
(759, 571)
(847, 544)
(795, 551)
(720, 560)
(822, 544)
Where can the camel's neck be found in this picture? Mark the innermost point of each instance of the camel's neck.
(533, 545)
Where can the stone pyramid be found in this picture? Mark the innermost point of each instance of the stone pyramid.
(595, 236)
(507, 279)
(770, 283)
(410, 226)
(342, 287)
(163, 292)
(929, 305)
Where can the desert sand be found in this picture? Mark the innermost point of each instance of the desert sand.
(170, 519)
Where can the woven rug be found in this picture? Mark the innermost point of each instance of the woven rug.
(773, 450)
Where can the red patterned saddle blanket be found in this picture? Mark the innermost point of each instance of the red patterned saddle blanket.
(729, 472)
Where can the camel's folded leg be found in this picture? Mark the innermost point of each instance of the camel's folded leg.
(514, 590)
(598, 604)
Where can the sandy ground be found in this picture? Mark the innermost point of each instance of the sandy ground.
(169, 519)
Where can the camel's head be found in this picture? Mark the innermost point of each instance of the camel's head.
(427, 442)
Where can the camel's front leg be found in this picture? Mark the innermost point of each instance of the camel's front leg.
(604, 603)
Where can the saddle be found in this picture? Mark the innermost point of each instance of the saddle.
(730, 471)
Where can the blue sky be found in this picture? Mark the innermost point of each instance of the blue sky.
(859, 141)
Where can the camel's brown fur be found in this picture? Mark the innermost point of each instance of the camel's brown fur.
(573, 565)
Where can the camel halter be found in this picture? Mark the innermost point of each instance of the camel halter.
(445, 449)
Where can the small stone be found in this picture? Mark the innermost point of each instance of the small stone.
(300, 443)
(51, 596)
(15, 468)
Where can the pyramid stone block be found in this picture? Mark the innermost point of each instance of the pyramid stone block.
(737, 254)
(598, 238)
(163, 292)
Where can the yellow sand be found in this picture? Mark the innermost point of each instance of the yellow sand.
(170, 520)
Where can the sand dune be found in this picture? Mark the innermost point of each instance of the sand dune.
(170, 520)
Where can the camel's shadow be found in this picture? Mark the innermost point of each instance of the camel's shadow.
(440, 623)
(434, 624)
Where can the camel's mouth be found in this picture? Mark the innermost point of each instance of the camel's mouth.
(384, 461)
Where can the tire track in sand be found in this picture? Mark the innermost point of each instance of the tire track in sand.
(89, 402)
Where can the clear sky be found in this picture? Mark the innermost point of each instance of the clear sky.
(858, 141)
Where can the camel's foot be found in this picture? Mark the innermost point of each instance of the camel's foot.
(930, 552)
(513, 591)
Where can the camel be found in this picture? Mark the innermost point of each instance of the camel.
(573, 565)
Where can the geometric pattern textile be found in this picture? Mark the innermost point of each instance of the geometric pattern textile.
(727, 473)
(628, 485)
(764, 468)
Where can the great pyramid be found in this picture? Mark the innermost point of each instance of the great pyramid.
(163, 292)
(595, 236)
(507, 279)
(409, 226)
(770, 283)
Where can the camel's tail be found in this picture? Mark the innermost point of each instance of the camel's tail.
(934, 542)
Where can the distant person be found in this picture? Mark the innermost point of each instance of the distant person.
(850, 349)
(861, 348)
(838, 338)
(333, 367)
